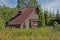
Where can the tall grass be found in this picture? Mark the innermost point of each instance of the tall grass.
(42, 33)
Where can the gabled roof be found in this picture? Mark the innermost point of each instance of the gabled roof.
(24, 15)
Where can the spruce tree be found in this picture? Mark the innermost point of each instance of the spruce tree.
(26, 3)
(22, 3)
(53, 15)
(32, 3)
(47, 19)
(57, 15)
(41, 18)
(50, 15)
(51, 20)
(18, 4)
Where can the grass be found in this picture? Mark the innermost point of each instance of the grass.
(42, 33)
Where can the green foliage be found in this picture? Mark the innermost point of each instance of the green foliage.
(26, 3)
(41, 18)
(5, 15)
(21, 4)
(32, 3)
(57, 15)
(42, 33)
(56, 26)
(51, 16)
(47, 18)
(18, 3)
(1, 23)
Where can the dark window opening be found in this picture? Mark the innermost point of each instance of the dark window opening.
(30, 23)
(19, 12)
(16, 25)
(35, 23)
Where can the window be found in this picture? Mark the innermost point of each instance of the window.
(19, 12)
(35, 23)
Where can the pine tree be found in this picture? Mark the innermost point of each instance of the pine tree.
(26, 3)
(51, 18)
(21, 3)
(53, 15)
(41, 18)
(57, 15)
(50, 15)
(47, 19)
(18, 3)
(32, 3)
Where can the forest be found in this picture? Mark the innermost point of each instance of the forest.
(49, 23)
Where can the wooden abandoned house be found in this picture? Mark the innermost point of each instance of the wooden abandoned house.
(25, 18)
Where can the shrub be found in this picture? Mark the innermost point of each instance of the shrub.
(56, 26)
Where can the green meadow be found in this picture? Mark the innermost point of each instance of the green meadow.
(42, 33)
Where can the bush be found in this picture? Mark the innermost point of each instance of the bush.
(56, 26)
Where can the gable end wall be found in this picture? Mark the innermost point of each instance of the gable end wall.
(34, 15)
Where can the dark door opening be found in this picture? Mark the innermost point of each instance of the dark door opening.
(29, 23)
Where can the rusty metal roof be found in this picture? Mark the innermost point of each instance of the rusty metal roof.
(24, 15)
